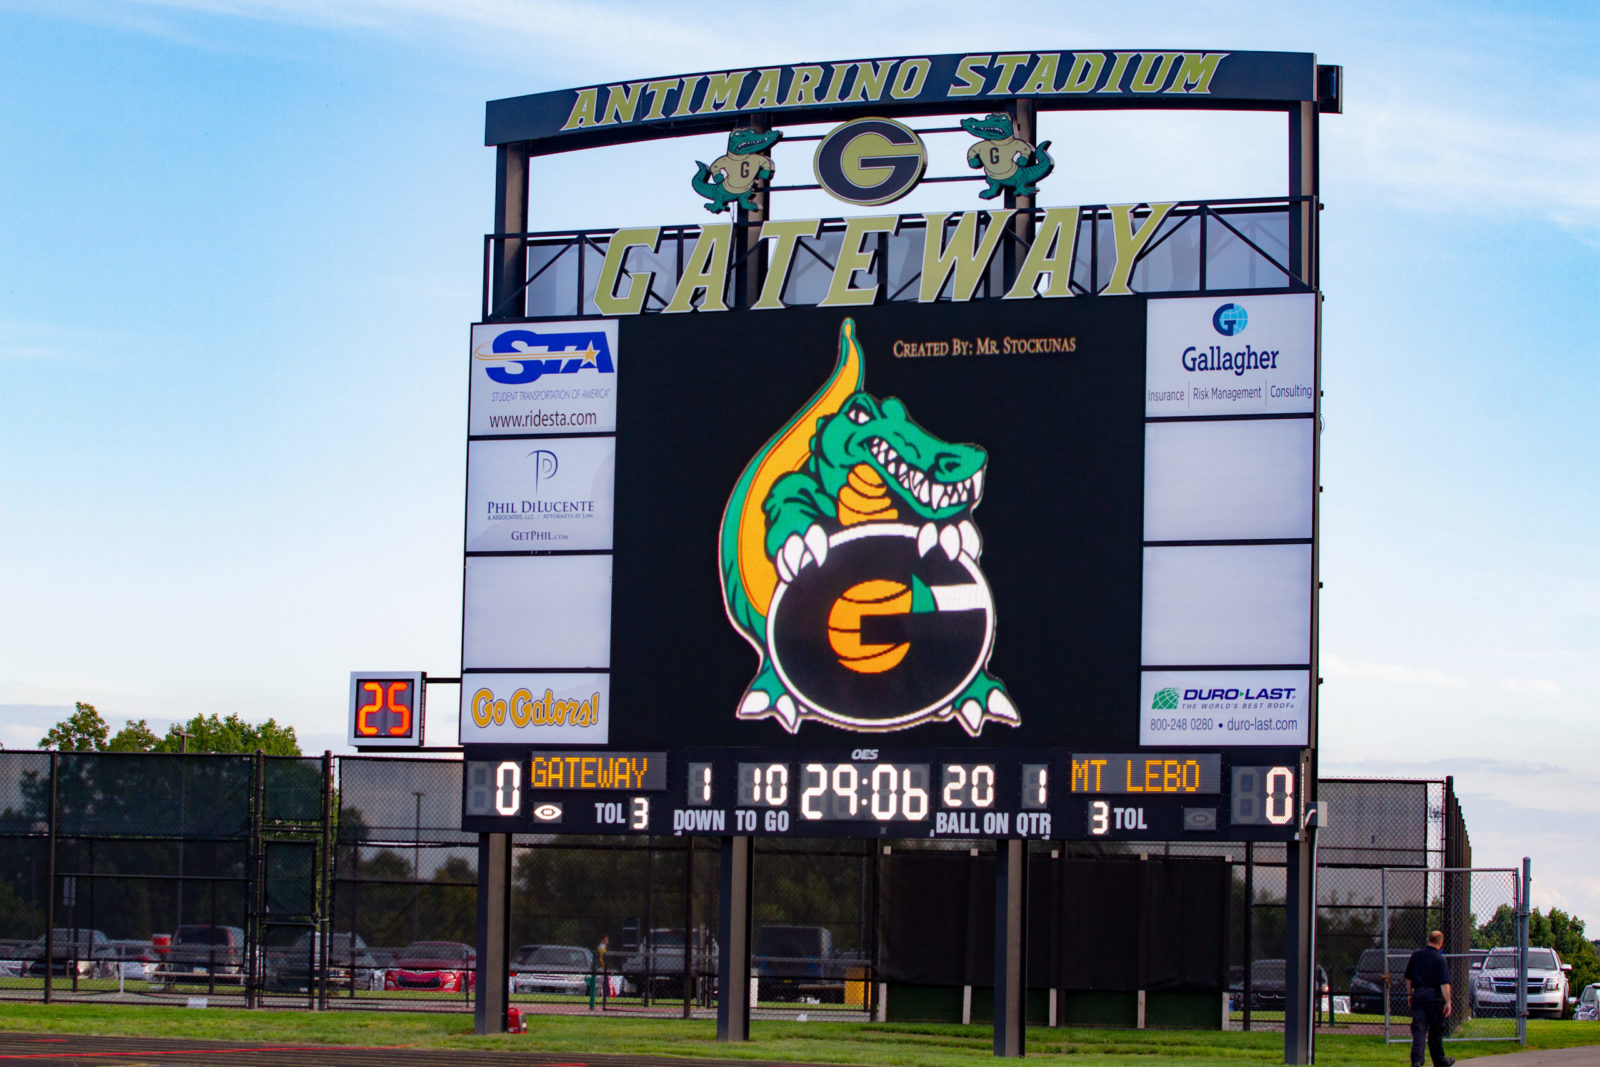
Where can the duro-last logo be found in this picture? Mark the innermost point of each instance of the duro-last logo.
(1230, 320)
(517, 357)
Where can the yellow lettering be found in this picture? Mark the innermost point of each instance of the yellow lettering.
(803, 86)
(686, 96)
(587, 779)
(964, 256)
(1050, 256)
(1043, 77)
(1085, 73)
(722, 91)
(1153, 70)
(621, 102)
(582, 111)
(483, 707)
(608, 775)
(1171, 776)
(910, 79)
(706, 269)
(969, 76)
(520, 711)
(538, 775)
(631, 302)
(871, 78)
(838, 77)
(765, 93)
(1197, 71)
(1127, 773)
(1191, 782)
(1099, 765)
(1130, 243)
(658, 91)
(1113, 82)
(1008, 64)
(780, 257)
(841, 291)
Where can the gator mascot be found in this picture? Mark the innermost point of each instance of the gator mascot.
(731, 178)
(1008, 162)
(850, 561)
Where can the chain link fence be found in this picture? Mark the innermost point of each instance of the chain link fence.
(347, 883)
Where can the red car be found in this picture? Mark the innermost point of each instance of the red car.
(434, 966)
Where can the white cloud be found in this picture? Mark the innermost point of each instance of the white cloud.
(1543, 687)
(1337, 667)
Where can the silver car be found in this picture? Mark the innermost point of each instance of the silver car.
(552, 969)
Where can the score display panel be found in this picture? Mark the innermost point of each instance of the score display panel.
(1244, 796)
(959, 625)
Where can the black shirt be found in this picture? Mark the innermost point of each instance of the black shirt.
(1426, 969)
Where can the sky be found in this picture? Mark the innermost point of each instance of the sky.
(241, 244)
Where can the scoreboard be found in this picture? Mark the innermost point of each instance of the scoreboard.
(834, 579)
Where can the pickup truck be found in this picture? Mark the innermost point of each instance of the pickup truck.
(799, 962)
(656, 969)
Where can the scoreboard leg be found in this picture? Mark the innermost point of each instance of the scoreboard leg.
(1298, 990)
(1010, 940)
(733, 953)
(494, 934)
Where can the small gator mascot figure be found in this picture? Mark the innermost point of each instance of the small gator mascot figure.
(1008, 162)
(731, 178)
(857, 507)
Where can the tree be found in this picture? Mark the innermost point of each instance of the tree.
(208, 733)
(82, 731)
(135, 736)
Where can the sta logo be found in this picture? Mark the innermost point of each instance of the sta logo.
(517, 357)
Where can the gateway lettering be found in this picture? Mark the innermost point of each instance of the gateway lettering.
(588, 772)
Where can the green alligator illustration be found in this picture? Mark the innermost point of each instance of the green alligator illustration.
(1008, 162)
(731, 178)
(847, 459)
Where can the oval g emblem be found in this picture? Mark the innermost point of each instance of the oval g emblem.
(870, 161)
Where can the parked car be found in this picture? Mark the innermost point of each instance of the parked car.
(656, 969)
(552, 969)
(440, 966)
(349, 963)
(1368, 982)
(133, 960)
(1494, 989)
(203, 952)
(1266, 985)
(84, 953)
(1588, 1009)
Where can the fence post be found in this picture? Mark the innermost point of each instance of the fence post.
(253, 887)
(325, 898)
(50, 880)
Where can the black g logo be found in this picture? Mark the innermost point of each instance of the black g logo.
(870, 161)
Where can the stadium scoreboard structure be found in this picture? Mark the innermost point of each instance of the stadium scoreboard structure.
(991, 522)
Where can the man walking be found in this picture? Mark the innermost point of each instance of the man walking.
(1428, 982)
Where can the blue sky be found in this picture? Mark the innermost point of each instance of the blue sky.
(240, 245)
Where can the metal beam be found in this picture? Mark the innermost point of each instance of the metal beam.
(1010, 944)
(494, 934)
(733, 951)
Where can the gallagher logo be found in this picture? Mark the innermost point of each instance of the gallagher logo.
(1230, 320)
(517, 357)
(850, 562)
(870, 161)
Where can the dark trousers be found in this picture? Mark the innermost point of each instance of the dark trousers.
(1427, 1024)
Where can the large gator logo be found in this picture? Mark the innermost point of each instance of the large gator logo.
(731, 177)
(1007, 160)
(850, 561)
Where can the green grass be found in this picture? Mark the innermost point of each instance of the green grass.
(887, 1045)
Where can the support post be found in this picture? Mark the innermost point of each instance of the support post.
(1297, 993)
(733, 953)
(50, 877)
(509, 255)
(1010, 943)
(494, 934)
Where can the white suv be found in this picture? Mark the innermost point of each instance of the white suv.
(1494, 987)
